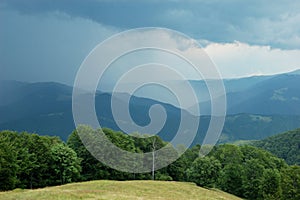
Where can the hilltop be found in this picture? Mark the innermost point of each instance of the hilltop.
(120, 190)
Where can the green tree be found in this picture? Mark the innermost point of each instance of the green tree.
(27, 161)
(65, 163)
(8, 161)
(92, 169)
(227, 154)
(231, 179)
(178, 169)
(204, 171)
(270, 186)
(290, 182)
(39, 172)
(253, 179)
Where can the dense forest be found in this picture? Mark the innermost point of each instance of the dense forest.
(33, 161)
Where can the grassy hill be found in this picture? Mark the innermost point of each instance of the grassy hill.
(120, 190)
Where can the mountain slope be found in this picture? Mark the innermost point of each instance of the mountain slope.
(266, 95)
(277, 95)
(46, 108)
(121, 190)
(285, 145)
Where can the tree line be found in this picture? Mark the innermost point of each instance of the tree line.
(33, 161)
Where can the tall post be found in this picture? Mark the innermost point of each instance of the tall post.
(153, 158)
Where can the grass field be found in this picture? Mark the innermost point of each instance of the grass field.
(120, 190)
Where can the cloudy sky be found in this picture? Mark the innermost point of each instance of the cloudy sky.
(47, 40)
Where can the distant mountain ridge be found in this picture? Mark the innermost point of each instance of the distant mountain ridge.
(266, 95)
(257, 107)
(277, 95)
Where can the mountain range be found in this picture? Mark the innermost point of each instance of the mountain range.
(257, 107)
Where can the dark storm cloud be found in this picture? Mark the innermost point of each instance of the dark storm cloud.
(255, 22)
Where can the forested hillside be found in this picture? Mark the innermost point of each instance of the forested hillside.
(285, 146)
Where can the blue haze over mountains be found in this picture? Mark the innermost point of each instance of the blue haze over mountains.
(257, 106)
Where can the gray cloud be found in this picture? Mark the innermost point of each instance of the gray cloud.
(254, 22)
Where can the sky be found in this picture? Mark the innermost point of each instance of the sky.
(47, 40)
